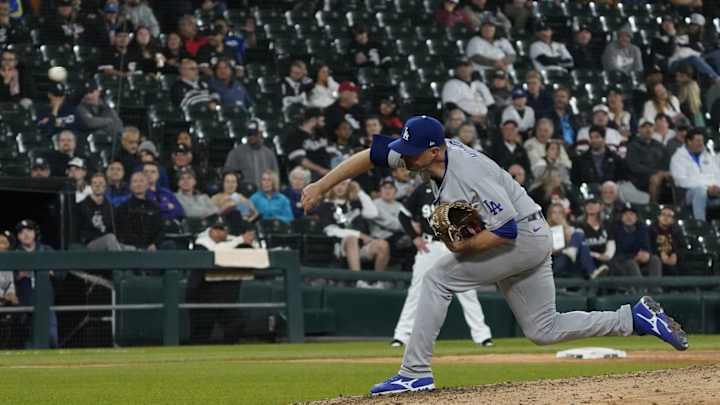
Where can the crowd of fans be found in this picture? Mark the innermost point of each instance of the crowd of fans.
(588, 165)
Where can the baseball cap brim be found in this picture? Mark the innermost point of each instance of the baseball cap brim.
(405, 148)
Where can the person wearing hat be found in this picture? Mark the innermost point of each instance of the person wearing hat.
(148, 153)
(599, 163)
(696, 172)
(583, 52)
(141, 15)
(209, 54)
(488, 52)
(471, 96)
(253, 157)
(62, 28)
(613, 138)
(389, 118)
(516, 241)
(39, 168)
(118, 60)
(224, 83)
(547, 54)
(77, 172)
(346, 108)
(681, 130)
(449, 14)
(27, 233)
(702, 39)
(365, 53)
(508, 150)
(618, 116)
(195, 204)
(7, 282)
(94, 114)
(647, 163)
(622, 55)
(190, 90)
(633, 257)
(59, 114)
(182, 158)
(100, 27)
(296, 85)
(500, 89)
(520, 112)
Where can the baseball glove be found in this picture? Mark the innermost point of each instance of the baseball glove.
(455, 221)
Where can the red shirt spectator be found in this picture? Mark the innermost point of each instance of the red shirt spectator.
(188, 29)
(450, 14)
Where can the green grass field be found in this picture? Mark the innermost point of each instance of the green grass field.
(274, 373)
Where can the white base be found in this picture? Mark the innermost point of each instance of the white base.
(591, 353)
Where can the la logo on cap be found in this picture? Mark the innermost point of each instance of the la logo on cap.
(406, 134)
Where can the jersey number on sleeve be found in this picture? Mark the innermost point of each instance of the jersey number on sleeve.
(492, 206)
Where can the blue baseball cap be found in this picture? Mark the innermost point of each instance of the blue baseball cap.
(518, 93)
(420, 133)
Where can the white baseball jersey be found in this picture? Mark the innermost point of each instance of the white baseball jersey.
(474, 98)
(495, 50)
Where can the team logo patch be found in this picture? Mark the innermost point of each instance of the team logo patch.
(406, 134)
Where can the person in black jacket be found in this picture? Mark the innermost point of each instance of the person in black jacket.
(648, 162)
(665, 241)
(16, 82)
(64, 28)
(59, 114)
(189, 90)
(598, 164)
(509, 150)
(365, 53)
(582, 51)
(296, 86)
(138, 219)
(96, 219)
(307, 146)
(129, 147)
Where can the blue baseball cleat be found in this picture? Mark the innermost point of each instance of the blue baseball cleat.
(650, 319)
(399, 384)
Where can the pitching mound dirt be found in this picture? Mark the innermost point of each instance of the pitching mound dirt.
(692, 385)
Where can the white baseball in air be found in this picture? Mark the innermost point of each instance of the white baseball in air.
(57, 74)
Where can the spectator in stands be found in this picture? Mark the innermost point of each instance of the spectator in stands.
(307, 147)
(344, 144)
(621, 55)
(210, 9)
(94, 114)
(471, 96)
(199, 151)
(39, 168)
(633, 257)
(141, 15)
(689, 95)
(96, 219)
(449, 14)
(537, 96)
(547, 54)
(12, 30)
(662, 131)
(386, 225)
(565, 121)
(678, 141)
(129, 145)
(190, 90)
(229, 200)
(7, 282)
(296, 85)
(29, 240)
(618, 117)
(173, 53)
(500, 89)
(365, 53)
(665, 240)
(537, 145)
(170, 208)
(249, 31)
(117, 189)
(59, 114)
(215, 50)
(574, 258)
(269, 201)
(148, 153)
(519, 11)
(17, 85)
(233, 41)
(613, 138)
(299, 177)
(138, 219)
(188, 30)
(661, 101)
(405, 183)
(145, 53)
(520, 112)
(343, 212)
(389, 118)
(325, 88)
(231, 91)
(217, 237)
(194, 203)
(454, 118)
(370, 180)
(345, 108)
(99, 31)
(582, 51)
(552, 190)
(181, 158)
(479, 11)
(610, 199)
(599, 236)
(118, 60)
(598, 164)
(552, 163)
(488, 52)
(663, 42)
(63, 28)
(695, 171)
(58, 158)
(77, 173)
(467, 134)
(252, 158)
(508, 150)
(648, 163)
(518, 174)
(685, 51)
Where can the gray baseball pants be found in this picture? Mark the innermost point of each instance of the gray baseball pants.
(523, 272)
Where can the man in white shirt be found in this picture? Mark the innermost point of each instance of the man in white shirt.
(519, 111)
(696, 171)
(613, 139)
(547, 54)
(471, 96)
(488, 52)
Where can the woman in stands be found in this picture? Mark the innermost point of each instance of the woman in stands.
(195, 204)
(325, 91)
(299, 178)
(661, 101)
(173, 53)
(572, 258)
(145, 52)
(552, 162)
(270, 202)
(230, 201)
(343, 215)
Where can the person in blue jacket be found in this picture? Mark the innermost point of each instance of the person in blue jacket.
(269, 201)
